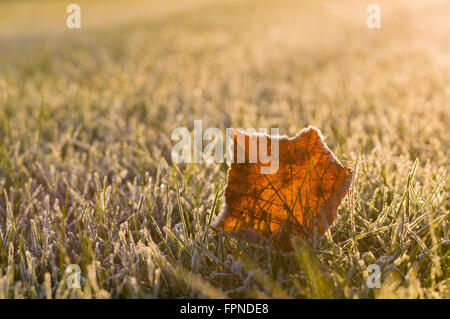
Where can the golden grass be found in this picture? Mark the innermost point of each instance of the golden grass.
(85, 122)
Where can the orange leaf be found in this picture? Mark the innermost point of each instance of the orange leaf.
(300, 198)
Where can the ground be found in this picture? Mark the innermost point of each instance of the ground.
(86, 115)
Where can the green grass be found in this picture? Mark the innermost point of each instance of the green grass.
(86, 115)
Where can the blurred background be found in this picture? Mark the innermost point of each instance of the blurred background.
(140, 66)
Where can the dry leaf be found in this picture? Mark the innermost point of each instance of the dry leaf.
(300, 198)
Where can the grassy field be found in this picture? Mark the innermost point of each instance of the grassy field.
(86, 116)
